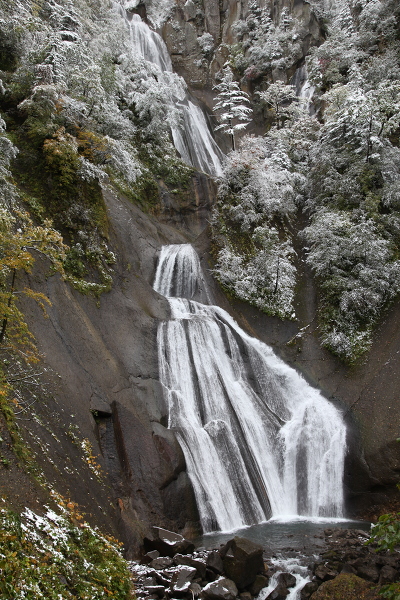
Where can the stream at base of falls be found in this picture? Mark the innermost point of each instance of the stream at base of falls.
(290, 546)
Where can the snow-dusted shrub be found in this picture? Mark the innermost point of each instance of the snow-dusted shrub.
(57, 557)
(257, 191)
(358, 273)
(266, 278)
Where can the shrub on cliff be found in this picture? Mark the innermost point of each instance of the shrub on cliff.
(59, 557)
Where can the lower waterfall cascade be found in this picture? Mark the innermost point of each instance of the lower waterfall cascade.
(258, 440)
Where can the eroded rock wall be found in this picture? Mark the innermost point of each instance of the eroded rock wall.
(102, 370)
(198, 32)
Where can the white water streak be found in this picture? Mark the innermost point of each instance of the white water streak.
(258, 440)
(192, 138)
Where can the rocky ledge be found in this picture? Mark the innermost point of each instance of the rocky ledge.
(240, 569)
(351, 569)
(172, 568)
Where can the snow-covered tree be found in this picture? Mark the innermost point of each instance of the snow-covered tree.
(281, 101)
(256, 193)
(358, 273)
(231, 106)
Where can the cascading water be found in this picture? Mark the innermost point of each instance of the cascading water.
(304, 89)
(258, 440)
(192, 137)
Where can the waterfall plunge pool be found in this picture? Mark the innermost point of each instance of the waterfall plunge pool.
(284, 535)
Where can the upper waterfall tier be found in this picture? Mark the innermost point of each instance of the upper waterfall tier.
(192, 136)
(258, 440)
(149, 44)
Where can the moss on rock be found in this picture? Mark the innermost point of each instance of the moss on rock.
(346, 586)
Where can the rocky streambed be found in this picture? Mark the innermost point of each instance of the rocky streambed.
(345, 569)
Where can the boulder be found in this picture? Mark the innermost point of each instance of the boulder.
(308, 589)
(163, 562)
(279, 593)
(222, 589)
(214, 562)
(167, 543)
(346, 587)
(243, 561)
(182, 579)
(200, 566)
(368, 572)
(388, 575)
(347, 568)
(258, 584)
(287, 579)
(325, 572)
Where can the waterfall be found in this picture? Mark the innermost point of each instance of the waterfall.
(304, 89)
(259, 442)
(192, 137)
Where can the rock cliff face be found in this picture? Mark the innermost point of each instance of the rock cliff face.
(104, 356)
(101, 357)
(198, 32)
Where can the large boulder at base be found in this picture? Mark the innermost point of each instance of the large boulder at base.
(287, 579)
(279, 593)
(200, 566)
(346, 586)
(167, 543)
(214, 562)
(308, 590)
(182, 579)
(243, 561)
(260, 582)
(222, 589)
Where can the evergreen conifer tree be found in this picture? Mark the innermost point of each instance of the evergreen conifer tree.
(232, 105)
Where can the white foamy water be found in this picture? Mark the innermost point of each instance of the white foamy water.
(192, 137)
(259, 442)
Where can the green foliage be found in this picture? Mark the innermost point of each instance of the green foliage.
(386, 536)
(58, 557)
(386, 533)
(8, 403)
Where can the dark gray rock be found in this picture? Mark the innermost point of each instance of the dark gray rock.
(388, 575)
(168, 543)
(308, 589)
(182, 579)
(163, 562)
(325, 573)
(214, 562)
(243, 561)
(211, 575)
(258, 584)
(222, 589)
(279, 593)
(287, 580)
(200, 566)
(368, 572)
(347, 568)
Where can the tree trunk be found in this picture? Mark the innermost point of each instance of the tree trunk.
(277, 277)
(5, 319)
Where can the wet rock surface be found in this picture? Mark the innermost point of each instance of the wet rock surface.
(346, 569)
(351, 569)
(221, 574)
